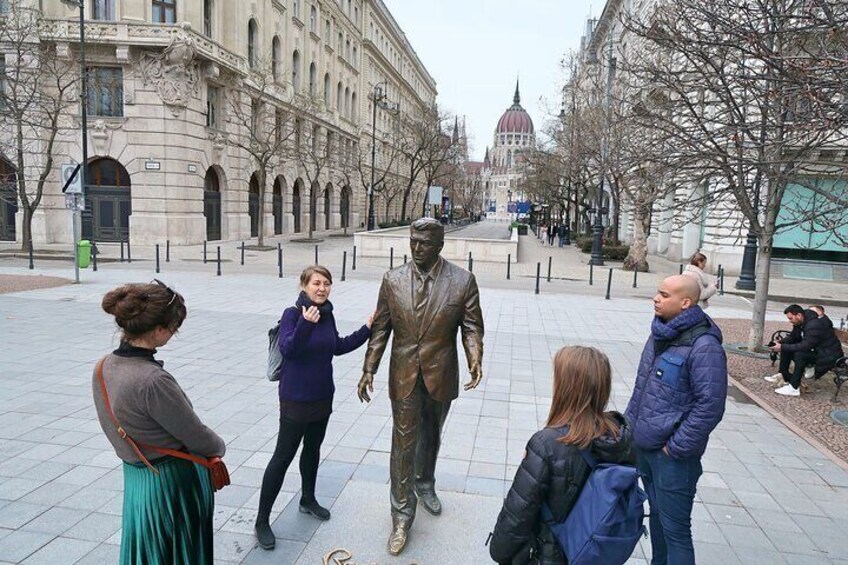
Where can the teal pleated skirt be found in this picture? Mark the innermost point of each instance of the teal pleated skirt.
(167, 518)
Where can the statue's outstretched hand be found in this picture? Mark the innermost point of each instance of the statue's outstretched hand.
(366, 385)
(476, 377)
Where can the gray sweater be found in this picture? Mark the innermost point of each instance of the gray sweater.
(152, 408)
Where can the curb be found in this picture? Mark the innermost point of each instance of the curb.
(777, 415)
(792, 299)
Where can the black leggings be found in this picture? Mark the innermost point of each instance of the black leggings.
(288, 440)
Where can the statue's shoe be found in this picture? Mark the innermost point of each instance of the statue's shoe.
(397, 541)
(431, 502)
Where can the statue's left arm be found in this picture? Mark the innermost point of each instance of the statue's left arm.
(472, 333)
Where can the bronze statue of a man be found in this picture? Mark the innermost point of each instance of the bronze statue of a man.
(424, 303)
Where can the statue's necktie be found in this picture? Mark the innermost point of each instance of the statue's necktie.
(422, 294)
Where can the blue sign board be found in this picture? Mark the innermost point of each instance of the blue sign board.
(524, 207)
(512, 207)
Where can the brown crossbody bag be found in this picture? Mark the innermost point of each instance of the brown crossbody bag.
(216, 466)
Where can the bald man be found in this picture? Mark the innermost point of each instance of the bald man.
(678, 400)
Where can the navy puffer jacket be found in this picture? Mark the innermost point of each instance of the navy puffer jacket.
(551, 472)
(681, 390)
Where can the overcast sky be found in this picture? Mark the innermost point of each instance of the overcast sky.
(476, 48)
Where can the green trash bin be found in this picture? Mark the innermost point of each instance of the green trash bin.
(84, 253)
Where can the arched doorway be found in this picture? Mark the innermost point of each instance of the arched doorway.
(212, 204)
(8, 200)
(313, 205)
(328, 205)
(296, 192)
(344, 207)
(107, 201)
(253, 205)
(279, 190)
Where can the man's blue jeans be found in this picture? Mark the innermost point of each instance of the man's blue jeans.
(670, 484)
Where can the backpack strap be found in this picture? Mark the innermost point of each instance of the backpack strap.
(136, 446)
(589, 459)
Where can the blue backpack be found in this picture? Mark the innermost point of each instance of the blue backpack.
(605, 523)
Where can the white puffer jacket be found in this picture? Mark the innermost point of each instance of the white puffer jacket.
(706, 282)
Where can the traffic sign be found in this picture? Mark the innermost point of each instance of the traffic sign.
(71, 179)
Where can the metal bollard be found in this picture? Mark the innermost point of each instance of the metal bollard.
(316, 253)
(280, 260)
(204, 252)
(344, 264)
(219, 260)
(129, 253)
(591, 273)
(391, 258)
(508, 265)
(609, 285)
(94, 256)
(404, 259)
(353, 261)
(122, 251)
(538, 276)
(635, 274)
(242, 254)
(167, 250)
(550, 259)
(681, 269)
(470, 261)
(31, 263)
(721, 280)
(157, 257)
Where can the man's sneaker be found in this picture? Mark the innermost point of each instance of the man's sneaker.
(774, 378)
(809, 372)
(788, 390)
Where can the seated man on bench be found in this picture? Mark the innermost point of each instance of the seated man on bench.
(812, 342)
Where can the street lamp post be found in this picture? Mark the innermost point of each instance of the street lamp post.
(79, 199)
(378, 98)
(598, 227)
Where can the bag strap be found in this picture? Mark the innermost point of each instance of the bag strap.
(136, 446)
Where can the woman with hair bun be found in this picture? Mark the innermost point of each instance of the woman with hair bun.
(168, 501)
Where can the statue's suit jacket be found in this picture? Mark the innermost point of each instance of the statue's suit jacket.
(428, 346)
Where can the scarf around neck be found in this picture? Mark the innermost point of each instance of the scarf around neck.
(303, 300)
(668, 331)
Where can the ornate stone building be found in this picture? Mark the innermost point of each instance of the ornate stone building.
(175, 84)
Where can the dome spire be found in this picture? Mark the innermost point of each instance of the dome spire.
(517, 98)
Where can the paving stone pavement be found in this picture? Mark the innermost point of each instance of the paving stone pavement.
(765, 497)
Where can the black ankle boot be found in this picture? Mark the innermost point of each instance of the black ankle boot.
(264, 533)
(312, 507)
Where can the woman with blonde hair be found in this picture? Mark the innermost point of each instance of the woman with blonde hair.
(553, 470)
(707, 284)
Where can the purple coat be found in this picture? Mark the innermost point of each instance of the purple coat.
(680, 392)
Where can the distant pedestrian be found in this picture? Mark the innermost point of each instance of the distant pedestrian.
(552, 231)
(561, 234)
(553, 470)
(308, 340)
(707, 284)
(678, 399)
(168, 507)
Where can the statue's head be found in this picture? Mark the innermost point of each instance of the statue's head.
(426, 239)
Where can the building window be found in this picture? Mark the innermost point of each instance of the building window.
(213, 97)
(316, 138)
(327, 32)
(296, 8)
(296, 70)
(353, 106)
(4, 6)
(347, 103)
(355, 55)
(279, 126)
(275, 58)
(251, 43)
(100, 9)
(254, 117)
(340, 43)
(339, 98)
(327, 90)
(313, 80)
(164, 11)
(105, 91)
(298, 126)
(313, 20)
(208, 7)
(347, 49)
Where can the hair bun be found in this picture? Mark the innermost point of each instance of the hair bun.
(124, 303)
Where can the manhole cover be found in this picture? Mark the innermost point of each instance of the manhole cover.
(840, 417)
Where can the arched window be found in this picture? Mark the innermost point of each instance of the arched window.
(339, 99)
(313, 20)
(275, 58)
(296, 70)
(251, 43)
(313, 80)
(353, 108)
(327, 90)
(347, 103)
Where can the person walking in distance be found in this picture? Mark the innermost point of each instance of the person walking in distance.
(678, 399)
(423, 304)
(308, 340)
(706, 283)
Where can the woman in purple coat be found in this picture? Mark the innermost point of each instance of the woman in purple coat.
(308, 340)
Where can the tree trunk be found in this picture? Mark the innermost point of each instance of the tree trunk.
(637, 257)
(313, 203)
(26, 229)
(260, 221)
(758, 317)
